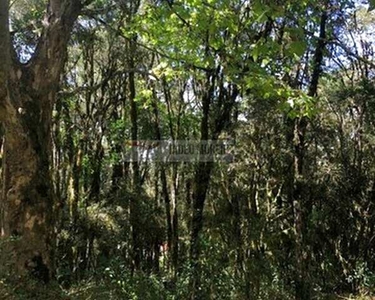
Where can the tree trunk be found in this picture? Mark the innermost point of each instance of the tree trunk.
(27, 96)
(134, 202)
(301, 193)
(27, 189)
(163, 177)
(218, 116)
(201, 183)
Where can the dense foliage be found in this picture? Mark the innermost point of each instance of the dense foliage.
(291, 217)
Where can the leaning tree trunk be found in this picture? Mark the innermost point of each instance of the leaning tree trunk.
(27, 96)
(220, 121)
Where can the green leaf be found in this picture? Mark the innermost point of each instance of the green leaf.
(298, 48)
(255, 53)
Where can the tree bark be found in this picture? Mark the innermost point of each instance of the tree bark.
(223, 107)
(300, 193)
(27, 97)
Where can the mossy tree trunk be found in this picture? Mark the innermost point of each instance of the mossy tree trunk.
(27, 97)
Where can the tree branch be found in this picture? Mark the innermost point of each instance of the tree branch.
(50, 53)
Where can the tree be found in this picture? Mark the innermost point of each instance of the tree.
(28, 93)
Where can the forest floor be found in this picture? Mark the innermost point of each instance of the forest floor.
(99, 292)
(92, 291)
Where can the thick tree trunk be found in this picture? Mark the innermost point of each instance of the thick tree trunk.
(27, 189)
(27, 95)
